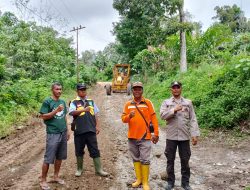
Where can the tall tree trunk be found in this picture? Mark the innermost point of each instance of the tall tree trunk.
(183, 55)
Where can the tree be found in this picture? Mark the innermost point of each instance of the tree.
(147, 23)
(232, 17)
(111, 54)
(88, 57)
(33, 51)
(9, 19)
(172, 7)
(183, 61)
(140, 25)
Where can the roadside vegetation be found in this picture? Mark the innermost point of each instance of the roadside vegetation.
(218, 76)
(148, 37)
(32, 58)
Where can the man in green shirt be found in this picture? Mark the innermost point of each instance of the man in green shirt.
(53, 112)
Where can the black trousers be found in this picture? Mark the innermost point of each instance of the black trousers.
(88, 139)
(184, 153)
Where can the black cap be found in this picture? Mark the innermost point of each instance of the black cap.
(176, 83)
(80, 86)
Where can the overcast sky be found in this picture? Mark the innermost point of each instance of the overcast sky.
(98, 15)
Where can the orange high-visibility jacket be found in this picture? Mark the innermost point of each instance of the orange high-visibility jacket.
(137, 125)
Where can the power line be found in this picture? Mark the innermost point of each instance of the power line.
(34, 13)
(57, 10)
(68, 10)
(41, 19)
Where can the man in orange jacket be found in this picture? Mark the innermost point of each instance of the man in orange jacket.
(138, 113)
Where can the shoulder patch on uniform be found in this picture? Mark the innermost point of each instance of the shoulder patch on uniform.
(187, 100)
(72, 101)
(168, 100)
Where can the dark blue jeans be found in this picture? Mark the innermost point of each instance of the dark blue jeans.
(184, 153)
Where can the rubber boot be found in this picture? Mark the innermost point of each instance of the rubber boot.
(79, 161)
(98, 167)
(145, 175)
(137, 166)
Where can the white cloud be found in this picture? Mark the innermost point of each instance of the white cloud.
(96, 15)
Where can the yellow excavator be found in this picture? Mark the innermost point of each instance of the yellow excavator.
(120, 81)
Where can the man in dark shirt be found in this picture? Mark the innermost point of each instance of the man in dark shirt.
(53, 112)
(85, 114)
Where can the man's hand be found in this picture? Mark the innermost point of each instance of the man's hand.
(132, 114)
(59, 108)
(87, 109)
(194, 140)
(178, 107)
(97, 130)
(155, 139)
(68, 135)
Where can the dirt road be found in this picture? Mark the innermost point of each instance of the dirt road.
(215, 165)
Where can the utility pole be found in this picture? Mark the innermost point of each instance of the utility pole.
(77, 61)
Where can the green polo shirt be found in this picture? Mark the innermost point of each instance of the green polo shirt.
(56, 124)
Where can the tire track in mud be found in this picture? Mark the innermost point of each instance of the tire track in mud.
(20, 151)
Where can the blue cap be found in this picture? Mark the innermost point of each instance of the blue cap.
(80, 86)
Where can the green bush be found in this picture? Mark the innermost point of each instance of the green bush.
(32, 58)
(220, 93)
(228, 101)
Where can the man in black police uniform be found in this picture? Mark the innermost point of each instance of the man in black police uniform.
(85, 114)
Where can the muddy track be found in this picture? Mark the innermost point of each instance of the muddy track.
(214, 164)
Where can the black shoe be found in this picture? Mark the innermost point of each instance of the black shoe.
(169, 187)
(186, 187)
